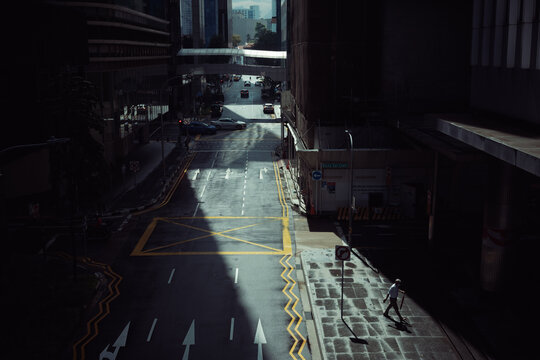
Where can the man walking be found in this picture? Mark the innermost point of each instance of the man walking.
(393, 293)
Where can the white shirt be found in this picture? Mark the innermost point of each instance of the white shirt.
(393, 291)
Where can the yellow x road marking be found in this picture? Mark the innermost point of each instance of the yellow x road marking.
(140, 249)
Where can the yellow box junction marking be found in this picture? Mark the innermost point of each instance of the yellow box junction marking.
(141, 249)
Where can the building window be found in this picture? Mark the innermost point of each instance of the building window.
(475, 46)
(476, 25)
(538, 48)
(500, 27)
(497, 46)
(529, 9)
(526, 41)
(513, 17)
(486, 42)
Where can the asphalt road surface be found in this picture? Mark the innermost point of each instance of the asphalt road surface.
(208, 273)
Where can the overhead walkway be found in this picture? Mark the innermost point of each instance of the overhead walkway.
(277, 73)
(518, 145)
(266, 54)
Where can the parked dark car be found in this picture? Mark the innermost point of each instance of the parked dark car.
(197, 127)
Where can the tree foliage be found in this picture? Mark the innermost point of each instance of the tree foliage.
(236, 40)
(266, 40)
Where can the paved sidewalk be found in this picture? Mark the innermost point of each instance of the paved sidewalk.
(365, 287)
(364, 290)
(144, 187)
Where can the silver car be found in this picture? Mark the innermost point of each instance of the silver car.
(228, 123)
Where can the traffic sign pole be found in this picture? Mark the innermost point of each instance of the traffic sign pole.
(344, 253)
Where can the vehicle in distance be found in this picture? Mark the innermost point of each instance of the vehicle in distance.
(236, 77)
(244, 93)
(258, 83)
(217, 109)
(142, 109)
(247, 83)
(198, 127)
(228, 123)
(268, 108)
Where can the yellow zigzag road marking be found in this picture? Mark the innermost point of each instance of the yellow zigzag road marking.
(294, 309)
(104, 309)
(286, 307)
(289, 290)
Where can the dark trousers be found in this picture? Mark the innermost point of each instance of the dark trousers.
(393, 304)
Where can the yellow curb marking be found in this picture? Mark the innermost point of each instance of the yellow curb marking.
(169, 195)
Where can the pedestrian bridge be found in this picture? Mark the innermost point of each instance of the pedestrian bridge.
(237, 66)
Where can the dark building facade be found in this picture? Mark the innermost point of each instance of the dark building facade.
(442, 100)
(113, 56)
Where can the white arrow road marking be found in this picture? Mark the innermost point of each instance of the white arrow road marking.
(259, 340)
(228, 173)
(189, 340)
(120, 342)
(195, 173)
(265, 170)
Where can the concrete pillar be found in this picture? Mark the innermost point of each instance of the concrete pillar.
(500, 209)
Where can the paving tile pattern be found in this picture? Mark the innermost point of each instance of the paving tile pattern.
(363, 293)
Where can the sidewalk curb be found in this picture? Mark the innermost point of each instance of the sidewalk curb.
(313, 326)
(155, 200)
(315, 316)
(297, 206)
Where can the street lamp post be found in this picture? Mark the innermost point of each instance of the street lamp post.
(351, 196)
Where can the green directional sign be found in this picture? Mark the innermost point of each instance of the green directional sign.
(336, 165)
